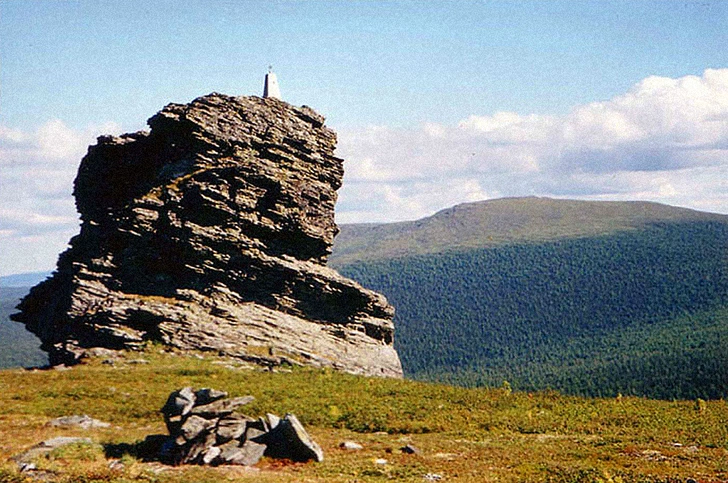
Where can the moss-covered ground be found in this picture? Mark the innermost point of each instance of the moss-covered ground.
(477, 435)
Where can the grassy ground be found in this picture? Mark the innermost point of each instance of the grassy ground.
(477, 435)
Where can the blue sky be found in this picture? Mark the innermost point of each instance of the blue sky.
(398, 63)
(435, 102)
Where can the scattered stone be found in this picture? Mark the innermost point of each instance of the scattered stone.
(350, 446)
(84, 422)
(205, 428)
(409, 449)
(446, 456)
(26, 467)
(380, 461)
(25, 459)
(653, 455)
(433, 477)
(116, 465)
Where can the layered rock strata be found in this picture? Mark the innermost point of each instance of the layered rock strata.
(211, 231)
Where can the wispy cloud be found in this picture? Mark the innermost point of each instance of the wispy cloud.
(664, 140)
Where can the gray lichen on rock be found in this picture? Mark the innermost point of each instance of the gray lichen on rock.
(211, 232)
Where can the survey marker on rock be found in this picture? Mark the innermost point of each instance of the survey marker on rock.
(211, 231)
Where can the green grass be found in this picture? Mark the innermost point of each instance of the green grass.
(462, 434)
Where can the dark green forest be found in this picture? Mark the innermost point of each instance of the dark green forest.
(639, 312)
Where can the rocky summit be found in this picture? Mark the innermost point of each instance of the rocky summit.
(211, 232)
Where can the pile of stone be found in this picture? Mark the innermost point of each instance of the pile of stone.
(206, 428)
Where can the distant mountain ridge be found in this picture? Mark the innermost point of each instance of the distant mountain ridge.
(23, 279)
(501, 221)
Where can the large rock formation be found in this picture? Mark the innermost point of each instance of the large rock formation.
(211, 232)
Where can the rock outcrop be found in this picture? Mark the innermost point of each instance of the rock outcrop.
(211, 231)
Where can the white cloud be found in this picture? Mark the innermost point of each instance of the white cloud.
(663, 140)
(37, 212)
(386, 202)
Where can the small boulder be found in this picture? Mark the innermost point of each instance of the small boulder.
(409, 449)
(272, 420)
(290, 440)
(211, 454)
(194, 426)
(350, 446)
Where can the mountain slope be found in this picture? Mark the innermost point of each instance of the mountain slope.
(613, 297)
(502, 221)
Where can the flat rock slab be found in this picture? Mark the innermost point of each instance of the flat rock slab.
(84, 422)
(221, 408)
(231, 427)
(45, 447)
(207, 395)
(246, 455)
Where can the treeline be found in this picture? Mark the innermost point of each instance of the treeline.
(640, 312)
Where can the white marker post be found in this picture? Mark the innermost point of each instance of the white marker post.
(271, 89)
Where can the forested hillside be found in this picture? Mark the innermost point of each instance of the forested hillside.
(639, 311)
